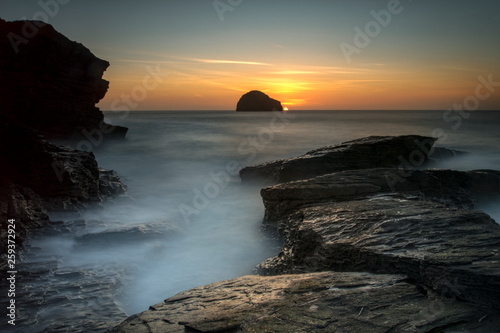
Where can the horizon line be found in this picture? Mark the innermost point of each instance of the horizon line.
(305, 110)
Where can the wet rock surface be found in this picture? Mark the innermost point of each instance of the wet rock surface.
(67, 283)
(315, 302)
(450, 251)
(453, 188)
(408, 151)
(38, 176)
(395, 249)
(56, 297)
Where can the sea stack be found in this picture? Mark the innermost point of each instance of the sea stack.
(258, 101)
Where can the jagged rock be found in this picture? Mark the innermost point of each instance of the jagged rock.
(50, 83)
(258, 101)
(454, 188)
(110, 184)
(406, 152)
(42, 176)
(25, 206)
(348, 221)
(318, 302)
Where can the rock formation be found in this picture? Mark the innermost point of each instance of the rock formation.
(258, 101)
(371, 152)
(50, 83)
(317, 302)
(449, 250)
(49, 86)
(368, 247)
(36, 176)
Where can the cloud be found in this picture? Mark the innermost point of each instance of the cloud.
(236, 62)
(296, 72)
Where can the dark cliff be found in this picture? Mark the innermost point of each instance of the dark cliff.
(51, 83)
(49, 86)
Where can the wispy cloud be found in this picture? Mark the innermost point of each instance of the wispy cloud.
(295, 72)
(235, 62)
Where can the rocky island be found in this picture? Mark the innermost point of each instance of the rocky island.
(258, 101)
(370, 244)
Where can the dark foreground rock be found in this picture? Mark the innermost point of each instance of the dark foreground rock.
(318, 302)
(37, 176)
(405, 152)
(258, 101)
(50, 83)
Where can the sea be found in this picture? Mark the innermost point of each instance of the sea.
(187, 220)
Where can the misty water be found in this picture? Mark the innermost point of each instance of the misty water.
(187, 220)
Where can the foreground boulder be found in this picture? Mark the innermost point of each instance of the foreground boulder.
(258, 101)
(318, 302)
(50, 83)
(406, 152)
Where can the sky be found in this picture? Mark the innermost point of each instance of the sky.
(310, 55)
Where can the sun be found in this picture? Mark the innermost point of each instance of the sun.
(285, 109)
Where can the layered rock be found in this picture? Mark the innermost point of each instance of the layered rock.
(258, 101)
(318, 302)
(406, 152)
(358, 207)
(37, 175)
(451, 251)
(453, 188)
(50, 83)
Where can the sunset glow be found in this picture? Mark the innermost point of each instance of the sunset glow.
(419, 61)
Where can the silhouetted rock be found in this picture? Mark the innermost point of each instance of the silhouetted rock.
(50, 83)
(406, 151)
(258, 101)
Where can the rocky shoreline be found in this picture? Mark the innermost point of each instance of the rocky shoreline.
(50, 87)
(373, 240)
(369, 246)
(64, 81)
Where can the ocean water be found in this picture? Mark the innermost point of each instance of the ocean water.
(187, 220)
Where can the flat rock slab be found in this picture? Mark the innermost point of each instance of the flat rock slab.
(453, 188)
(452, 251)
(406, 151)
(315, 302)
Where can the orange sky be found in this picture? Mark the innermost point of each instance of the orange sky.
(419, 55)
(209, 84)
